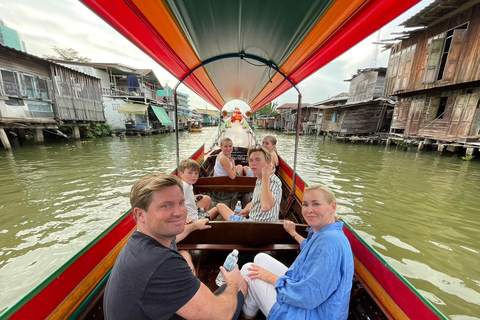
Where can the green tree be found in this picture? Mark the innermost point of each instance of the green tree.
(67, 54)
(269, 110)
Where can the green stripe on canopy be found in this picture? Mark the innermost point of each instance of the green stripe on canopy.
(162, 116)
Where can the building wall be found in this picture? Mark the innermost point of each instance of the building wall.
(26, 88)
(366, 86)
(112, 117)
(439, 114)
(415, 63)
(363, 119)
(332, 119)
(10, 38)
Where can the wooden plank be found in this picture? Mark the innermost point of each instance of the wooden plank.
(225, 184)
(248, 234)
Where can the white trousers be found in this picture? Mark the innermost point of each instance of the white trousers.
(261, 295)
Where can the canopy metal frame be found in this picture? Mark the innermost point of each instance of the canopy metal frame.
(242, 56)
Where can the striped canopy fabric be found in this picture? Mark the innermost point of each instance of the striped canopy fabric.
(234, 47)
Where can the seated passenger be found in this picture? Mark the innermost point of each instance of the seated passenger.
(224, 164)
(189, 171)
(267, 195)
(270, 143)
(150, 279)
(318, 284)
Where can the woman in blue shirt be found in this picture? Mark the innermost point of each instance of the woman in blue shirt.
(318, 284)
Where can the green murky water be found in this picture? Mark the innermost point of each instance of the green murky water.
(419, 210)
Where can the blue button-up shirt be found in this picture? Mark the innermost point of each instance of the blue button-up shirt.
(318, 284)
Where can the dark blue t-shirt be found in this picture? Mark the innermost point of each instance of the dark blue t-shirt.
(148, 281)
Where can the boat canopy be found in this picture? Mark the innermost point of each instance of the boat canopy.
(248, 50)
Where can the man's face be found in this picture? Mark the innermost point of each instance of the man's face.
(165, 217)
(189, 176)
(257, 162)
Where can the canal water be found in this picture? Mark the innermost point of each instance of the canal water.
(419, 210)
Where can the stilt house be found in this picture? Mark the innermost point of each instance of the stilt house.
(37, 94)
(366, 111)
(434, 72)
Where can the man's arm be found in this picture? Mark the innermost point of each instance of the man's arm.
(266, 197)
(197, 225)
(205, 305)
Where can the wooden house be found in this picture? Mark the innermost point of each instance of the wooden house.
(366, 111)
(322, 106)
(435, 74)
(128, 95)
(287, 119)
(37, 95)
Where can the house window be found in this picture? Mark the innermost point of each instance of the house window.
(29, 86)
(444, 54)
(10, 83)
(43, 89)
(334, 116)
(441, 108)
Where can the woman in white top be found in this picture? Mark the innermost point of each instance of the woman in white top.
(224, 164)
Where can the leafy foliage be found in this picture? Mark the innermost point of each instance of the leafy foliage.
(97, 130)
(269, 110)
(67, 54)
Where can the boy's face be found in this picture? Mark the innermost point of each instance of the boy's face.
(257, 162)
(190, 176)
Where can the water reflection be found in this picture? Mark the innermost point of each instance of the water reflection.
(418, 210)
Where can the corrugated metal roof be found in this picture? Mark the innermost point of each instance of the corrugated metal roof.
(292, 106)
(437, 11)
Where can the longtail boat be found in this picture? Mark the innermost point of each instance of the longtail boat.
(252, 51)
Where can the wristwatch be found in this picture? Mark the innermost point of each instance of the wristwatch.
(296, 234)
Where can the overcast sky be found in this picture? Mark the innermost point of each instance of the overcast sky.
(69, 24)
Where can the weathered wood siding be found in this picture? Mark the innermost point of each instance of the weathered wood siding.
(328, 125)
(366, 86)
(420, 115)
(78, 96)
(363, 119)
(414, 62)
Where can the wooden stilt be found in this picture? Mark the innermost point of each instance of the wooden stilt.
(76, 132)
(4, 139)
(38, 135)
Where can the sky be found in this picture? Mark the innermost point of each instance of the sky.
(69, 24)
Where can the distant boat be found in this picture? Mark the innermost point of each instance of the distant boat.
(194, 126)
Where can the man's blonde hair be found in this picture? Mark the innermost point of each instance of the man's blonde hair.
(268, 156)
(329, 195)
(188, 164)
(143, 189)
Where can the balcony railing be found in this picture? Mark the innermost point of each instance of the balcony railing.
(129, 91)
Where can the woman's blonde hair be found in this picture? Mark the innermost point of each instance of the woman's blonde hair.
(225, 140)
(272, 139)
(329, 195)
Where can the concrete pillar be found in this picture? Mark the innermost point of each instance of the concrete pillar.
(389, 141)
(469, 151)
(440, 147)
(421, 145)
(4, 139)
(38, 135)
(76, 132)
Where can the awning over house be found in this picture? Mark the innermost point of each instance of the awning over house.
(162, 116)
(133, 108)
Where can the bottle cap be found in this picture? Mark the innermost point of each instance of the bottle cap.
(235, 252)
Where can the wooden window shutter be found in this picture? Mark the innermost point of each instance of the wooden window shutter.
(433, 61)
(453, 54)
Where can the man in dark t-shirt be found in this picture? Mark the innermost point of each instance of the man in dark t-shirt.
(150, 279)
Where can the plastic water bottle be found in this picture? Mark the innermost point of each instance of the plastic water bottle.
(229, 264)
(238, 207)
